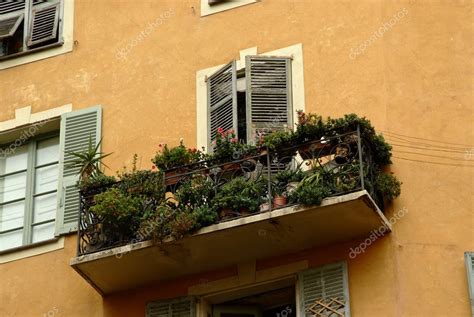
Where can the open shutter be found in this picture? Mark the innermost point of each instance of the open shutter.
(12, 6)
(269, 106)
(76, 129)
(222, 101)
(469, 256)
(324, 291)
(44, 22)
(184, 307)
(11, 15)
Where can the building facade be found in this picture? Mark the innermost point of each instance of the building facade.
(136, 74)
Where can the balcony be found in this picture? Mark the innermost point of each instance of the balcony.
(329, 197)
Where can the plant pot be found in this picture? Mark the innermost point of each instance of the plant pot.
(279, 201)
(265, 207)
(291, 187)
(226, 214)
(174, 176)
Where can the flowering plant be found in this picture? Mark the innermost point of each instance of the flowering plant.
(227, 146)
(168, 158)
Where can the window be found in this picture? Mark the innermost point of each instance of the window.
(39, 198)
(253, 101)
(28, 192)
(469, 257)
(29, 25)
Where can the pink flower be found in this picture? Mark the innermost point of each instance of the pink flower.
(233, 140)
(220, 130)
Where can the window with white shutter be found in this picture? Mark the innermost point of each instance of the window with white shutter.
(183, 307)
(29, 25)
(324, 291)
(469, 257)
(222, 101)
(77, 128)
(260, 98)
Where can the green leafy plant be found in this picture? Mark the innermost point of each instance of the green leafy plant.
(120, 213)
(96, 181)
(313, 188)
(278, 140)
(388, 185)
(168, 158)
(228, 148)
(240, 194)
(89, 162)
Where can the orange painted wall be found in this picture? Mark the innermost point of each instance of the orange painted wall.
(415, 80)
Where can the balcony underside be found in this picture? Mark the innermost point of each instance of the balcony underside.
(283, 231)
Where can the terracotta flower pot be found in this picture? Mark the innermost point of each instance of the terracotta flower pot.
(279, 201)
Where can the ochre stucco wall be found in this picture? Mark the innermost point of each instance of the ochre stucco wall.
(415, 80)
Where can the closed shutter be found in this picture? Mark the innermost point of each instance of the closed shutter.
(184, 307)
(469, 256)
(324, 291)
(222, 101)
(44, 22)
(76, 129)
(269, 99)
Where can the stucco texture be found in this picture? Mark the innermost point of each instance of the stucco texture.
(414, 80)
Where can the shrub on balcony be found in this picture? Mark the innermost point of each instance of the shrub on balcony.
(240, 195)
(388, 186)
(228, 148)
(168, 158)
(119, 214)
(96, 181)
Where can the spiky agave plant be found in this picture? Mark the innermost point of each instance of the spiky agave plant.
(88, 161)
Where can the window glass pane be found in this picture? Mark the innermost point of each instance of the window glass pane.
(44, 207)
(47, 151)
(43, 232)
(11, 215)
(11, 239)
(13, 158)
(46, 179)
(12, 187)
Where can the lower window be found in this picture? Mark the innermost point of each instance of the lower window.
(28, 191)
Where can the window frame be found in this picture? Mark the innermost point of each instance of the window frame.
(30, 195)
(27, 29)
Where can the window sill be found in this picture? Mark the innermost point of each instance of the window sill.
(207, 9)
(32, 51)
(30, 250)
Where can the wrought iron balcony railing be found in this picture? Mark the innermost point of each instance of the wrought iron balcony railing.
(341, 164)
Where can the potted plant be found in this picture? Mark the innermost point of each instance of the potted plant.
(173, 161)
(239, 196)
(290, 177)
(279, 195)
(280, 143)
(89, 162)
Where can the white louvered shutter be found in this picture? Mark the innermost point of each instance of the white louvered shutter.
(76, 129)
(323, 287)
(222, 101)
(269, 98)
(174, 308)
(11, 15)
(469, 257)
(44, 22)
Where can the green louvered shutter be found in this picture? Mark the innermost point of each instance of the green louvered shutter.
(44, 22)
(222, 101)
(469, 256)
(76, 129)
(184, 307)
(269, 97)
(323, 287)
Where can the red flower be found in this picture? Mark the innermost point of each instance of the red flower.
(233, 140)
(220, 130)
(153, 167)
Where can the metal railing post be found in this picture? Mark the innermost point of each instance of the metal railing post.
(269, 175)
(361, 163)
